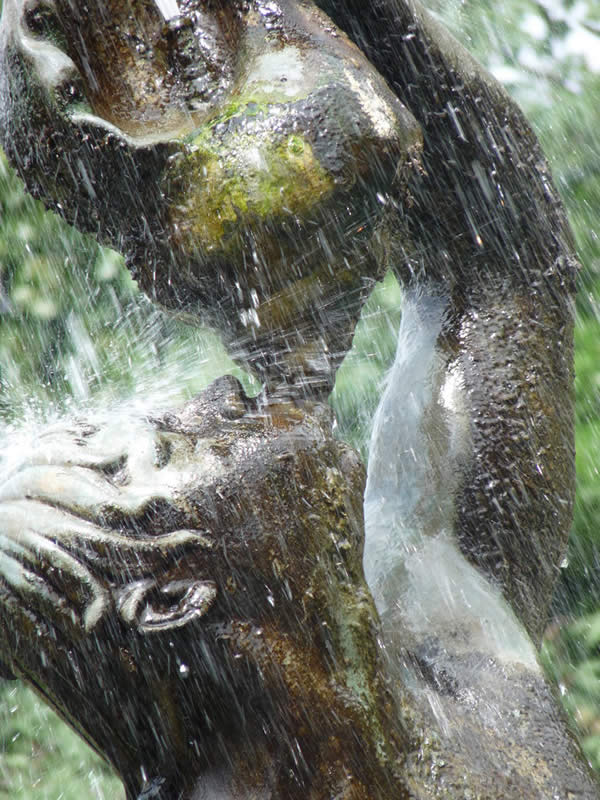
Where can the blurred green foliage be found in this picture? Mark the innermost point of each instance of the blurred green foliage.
(43, 759)
(571, 657)
(75, 331)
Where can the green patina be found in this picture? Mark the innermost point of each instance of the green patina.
(244, 177)
(203, 133)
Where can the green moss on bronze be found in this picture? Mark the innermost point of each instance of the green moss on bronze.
(252, 178)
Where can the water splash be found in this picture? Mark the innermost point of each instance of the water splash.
(424, 587)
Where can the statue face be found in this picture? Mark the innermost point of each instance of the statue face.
(230, 148)
(172, 572)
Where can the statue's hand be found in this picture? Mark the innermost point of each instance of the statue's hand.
(173, 584)
(90, 520)
(154, 520)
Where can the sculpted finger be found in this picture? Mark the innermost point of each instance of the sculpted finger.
(101, 446)
(80, 490)
(72, 570)
(35, 569)
(103, 474)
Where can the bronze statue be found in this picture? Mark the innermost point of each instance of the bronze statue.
(192, 594)
(261, 171)
(186, 590)
(271, 211)
(238, 154)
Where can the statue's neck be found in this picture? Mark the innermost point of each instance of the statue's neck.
(281, 767)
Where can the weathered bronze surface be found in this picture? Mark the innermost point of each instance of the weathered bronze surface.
(261, 171)
(238, 154)
(189, 596)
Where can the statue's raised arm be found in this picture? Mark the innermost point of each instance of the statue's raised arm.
(487, 236)
(260, 171)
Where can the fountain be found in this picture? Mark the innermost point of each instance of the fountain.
(189, 596)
